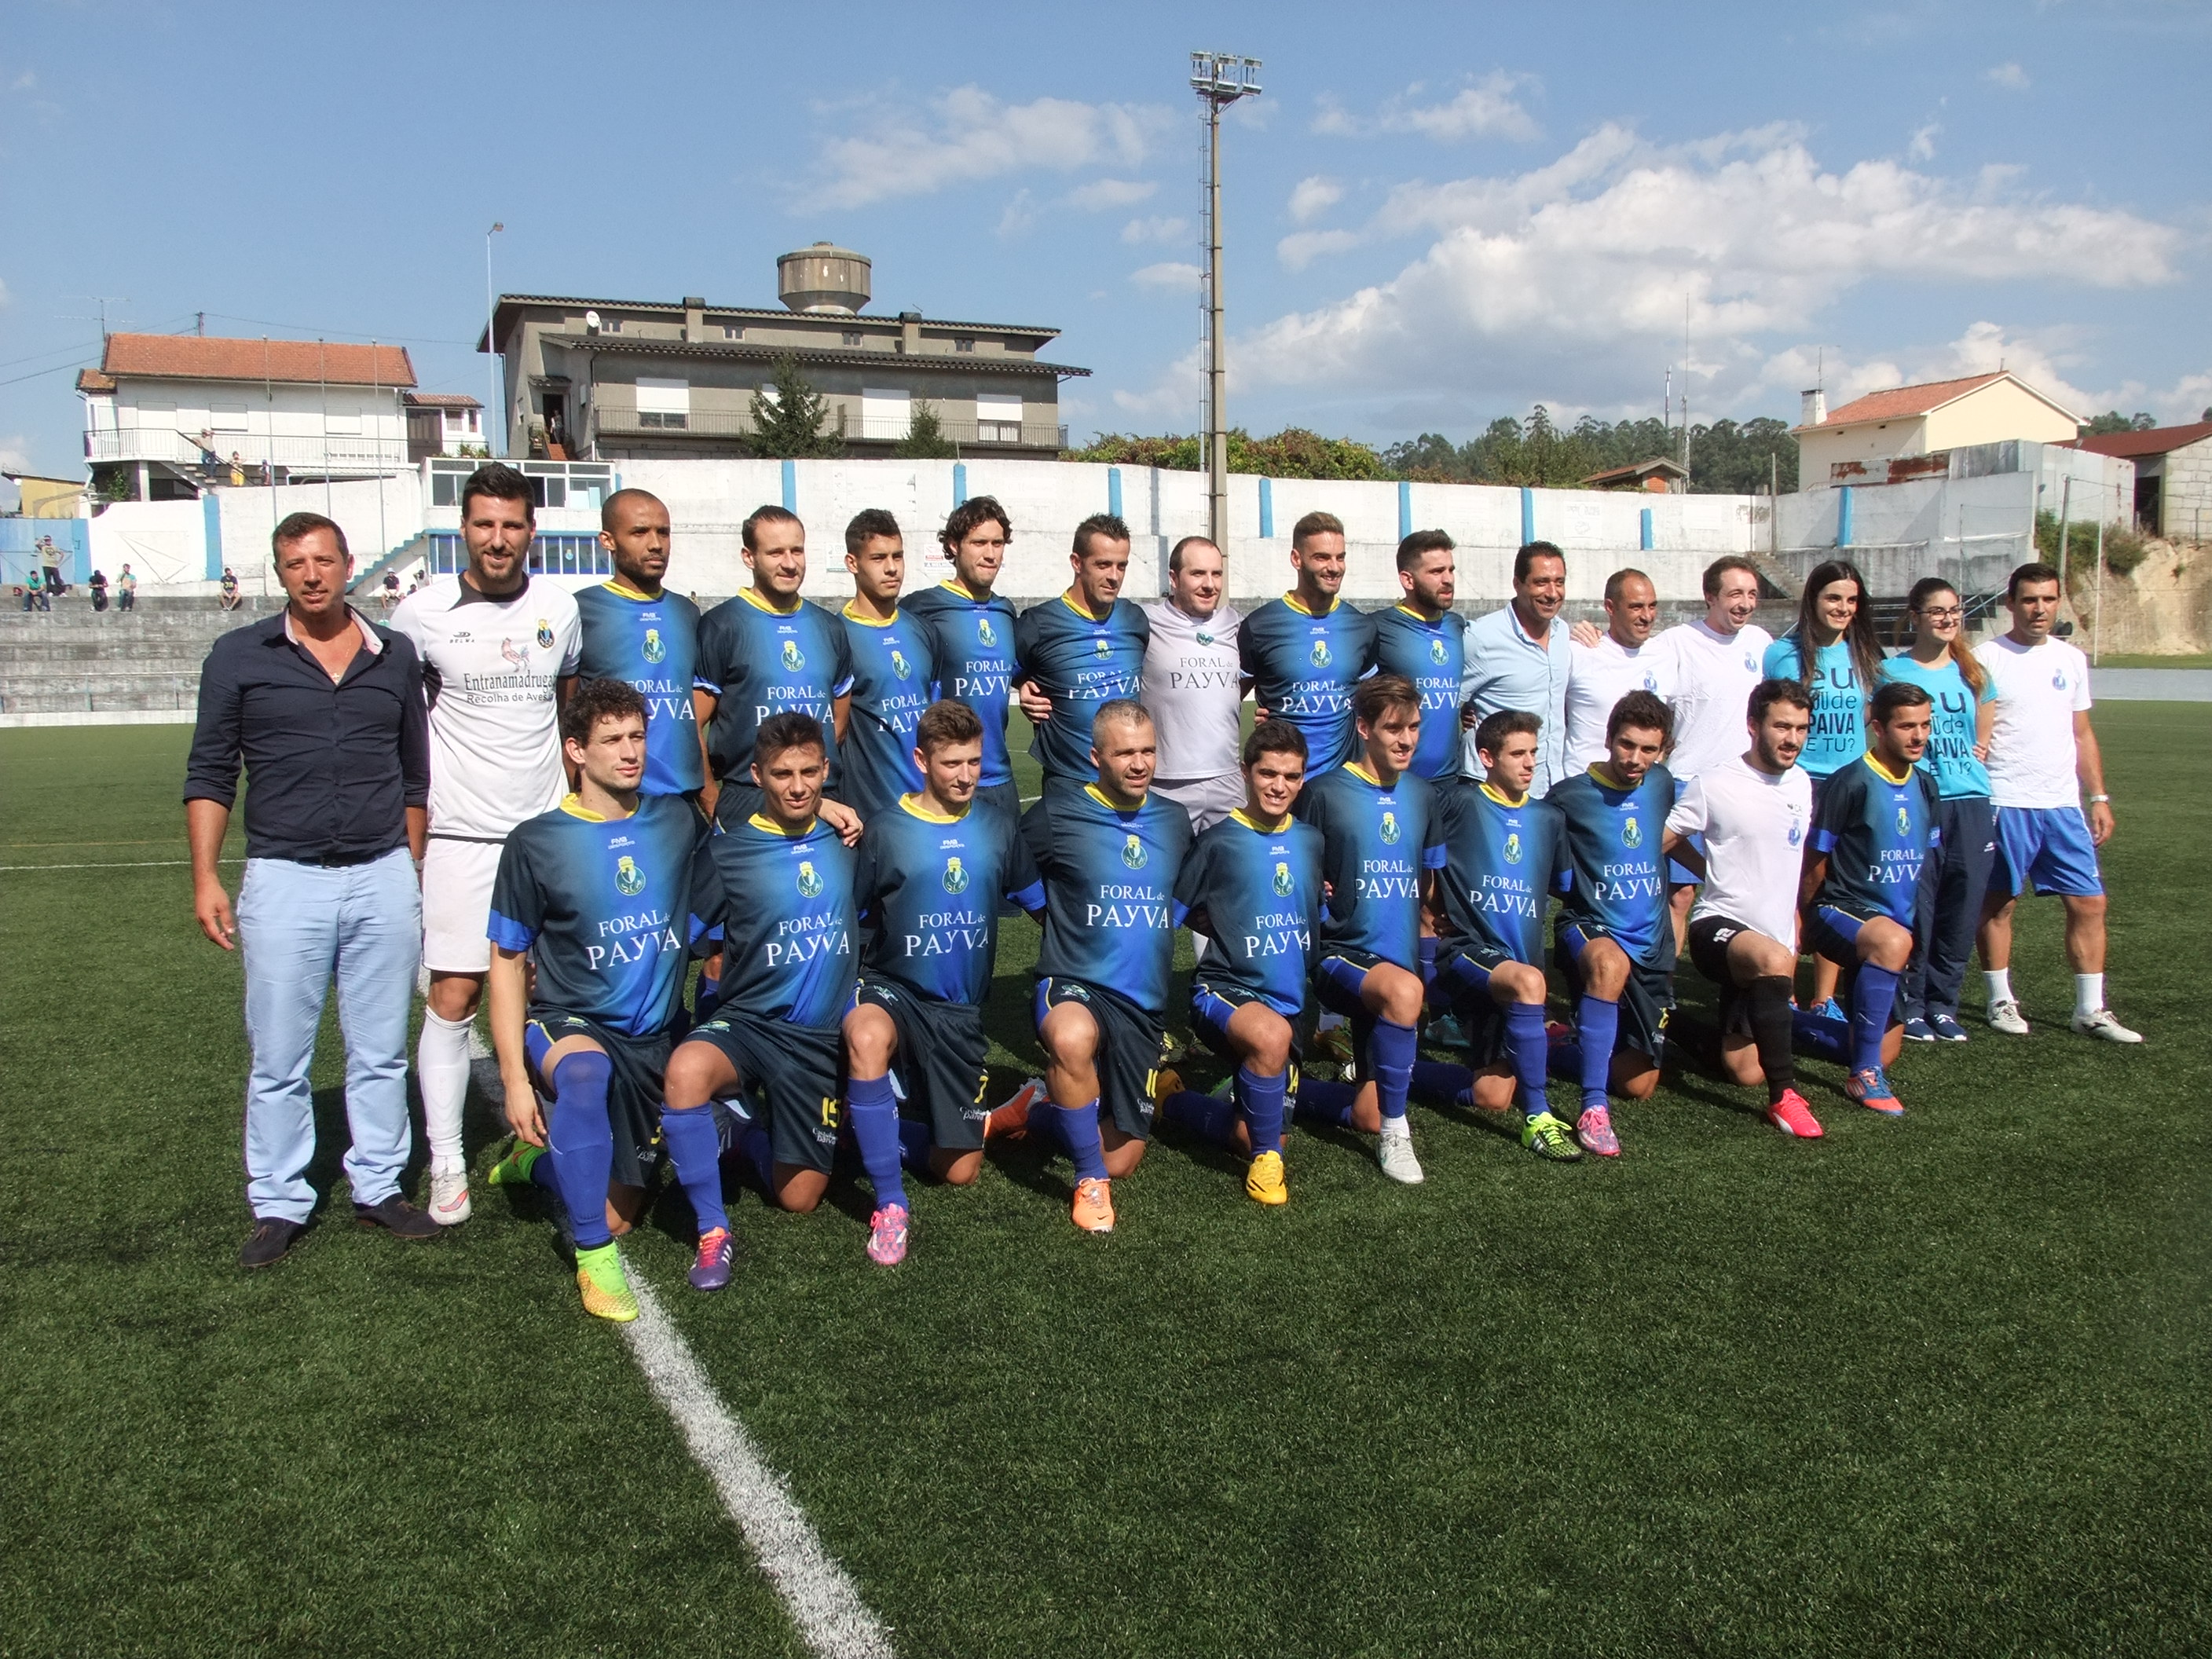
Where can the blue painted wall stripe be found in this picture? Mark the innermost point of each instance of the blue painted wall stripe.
(211, 518)
(1844, 517)
(1404, 509)
(791, 486)
(1528, 516)
(1266, 510)
(1643, 539)
(959, 483)
(1114, 490)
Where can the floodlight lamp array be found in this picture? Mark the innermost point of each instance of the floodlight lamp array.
(1223, 77)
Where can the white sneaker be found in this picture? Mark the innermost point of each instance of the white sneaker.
(1395, 1152)
(2102, 1026)
(2006, 1017)
(449, 1198)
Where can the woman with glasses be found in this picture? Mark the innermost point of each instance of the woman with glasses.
(1949, 901)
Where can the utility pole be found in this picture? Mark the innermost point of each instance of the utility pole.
(1220, 79)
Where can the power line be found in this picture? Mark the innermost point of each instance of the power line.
(81, 345)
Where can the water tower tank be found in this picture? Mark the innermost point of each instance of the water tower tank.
(823, 277)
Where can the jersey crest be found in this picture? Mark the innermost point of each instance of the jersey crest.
(985, 632)
(1631, 833)
(793, 658)
(1205, 638)
(629, 880)
(1437, 653)
(1100, 648)
(1797, 832)
(1513, 846)
(1284, 881)
(514, 655)
(1320, 653)
(810, 879)
(900, 665)
(1389, 830)
(955, 876)
(1133, 853)
(1904, 820)
(2059, 680)
(544, 635)
(653, 650)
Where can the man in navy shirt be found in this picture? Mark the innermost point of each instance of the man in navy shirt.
(634, 630)
(1306, 650)
(892, 669)
(1079, 651)
(1423, 638)
(971, 631)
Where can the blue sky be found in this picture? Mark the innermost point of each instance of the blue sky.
(1437, 214)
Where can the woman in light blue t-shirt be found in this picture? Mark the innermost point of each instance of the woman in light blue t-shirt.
(1833, 654)
(1947, 907)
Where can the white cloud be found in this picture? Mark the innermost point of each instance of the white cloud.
(15, 453)
(1101, 193)
(1922, 147)
(968, 134)
(2011, 76)
(1302, 247)
(1017, 215)
(1485, 108)
(1560, 279)
(1171, 276)
(1313, 196)
(1156, 229)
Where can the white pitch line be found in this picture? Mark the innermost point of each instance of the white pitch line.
(822, 1602)
(118, 864)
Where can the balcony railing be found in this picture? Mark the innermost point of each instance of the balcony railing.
(337, 452)
(738, 423)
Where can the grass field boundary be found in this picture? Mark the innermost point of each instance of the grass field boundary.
(117, 864)
(823, 1600)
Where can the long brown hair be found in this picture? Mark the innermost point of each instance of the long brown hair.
(1858, 634)
(1970, 667)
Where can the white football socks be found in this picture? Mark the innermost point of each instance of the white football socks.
(441, 1070)
(2000, 983)
(2088, 994)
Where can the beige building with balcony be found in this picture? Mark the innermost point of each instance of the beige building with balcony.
(1910, 431)
(167, 416)
(616, 379)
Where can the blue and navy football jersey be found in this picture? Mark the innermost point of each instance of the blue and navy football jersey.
(1109, 881)
(1304, 667)
(1433, 655)
(1838, 733)
(784, 908)
(1876, 830)
(891, 673)
(929, 892)
(1617, 881)
(1080, 661)
(1256, 891)
(1378, 843)
(601, 904)
(972, 645)
(757, 661)
(1503, 861)
(653, 644)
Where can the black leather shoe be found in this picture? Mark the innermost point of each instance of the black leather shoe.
(266, 1244)
(397, 1216)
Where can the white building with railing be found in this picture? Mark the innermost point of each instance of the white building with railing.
(167, 416)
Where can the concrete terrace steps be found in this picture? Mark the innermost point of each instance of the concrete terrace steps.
(76, 660)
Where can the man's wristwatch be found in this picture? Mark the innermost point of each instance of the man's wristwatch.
(2100, 801)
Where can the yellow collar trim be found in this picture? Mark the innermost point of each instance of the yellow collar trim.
(1598, 771)
(1360, 770)
(1883, 772)
(1298, 605)
(1068, 599)
(954, 585)
(753, 596)
(1253, 823)
(762, 821)
(1407, 610)
(617, 584)
(573, 805)
(913, 803)
(1107, 802)
(852, 615)
(1505, 799)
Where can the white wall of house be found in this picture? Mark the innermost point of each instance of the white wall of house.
(290, 423)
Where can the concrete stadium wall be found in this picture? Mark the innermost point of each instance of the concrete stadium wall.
(180, 548)
(1973, 531)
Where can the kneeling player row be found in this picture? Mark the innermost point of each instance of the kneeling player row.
(845, 972)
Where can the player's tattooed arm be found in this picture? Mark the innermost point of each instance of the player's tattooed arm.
(508, 992)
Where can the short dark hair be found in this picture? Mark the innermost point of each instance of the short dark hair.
(1620, 579)
(613, 502)
(298, 525)
(1275, 737)
(1378, 693)
(1893, 695)
(976, 509)
(871, 523)
(1174, 553)
(1119, 708)
(1413, 547)
(1767, 693)
(946, 721)
(599, 699)
(1720, 568)
(1316, 523)
(1528, 554)
(1501, 724)
(2033, 571)
(768, 514)
(1108, 524)
(1642, 712)
(795, 728)
(503, 483)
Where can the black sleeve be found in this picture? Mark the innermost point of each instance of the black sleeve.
(706, 920)
(414, 725)
(1036, 833)
(211, 773)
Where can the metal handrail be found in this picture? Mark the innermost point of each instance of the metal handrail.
(181, 449)
(739, 423)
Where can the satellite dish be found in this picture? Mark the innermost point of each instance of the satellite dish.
(591, 321)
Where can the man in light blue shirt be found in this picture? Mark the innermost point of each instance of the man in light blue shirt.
(1516, 657)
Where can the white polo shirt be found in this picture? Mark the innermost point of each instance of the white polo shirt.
(1713, 676)
(1754, 827)
(489, 667)
(1598, 677)
(2039, 689)
(1192, 685)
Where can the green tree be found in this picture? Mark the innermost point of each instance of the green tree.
(1293, 452)
(789, 425)
(925, 439)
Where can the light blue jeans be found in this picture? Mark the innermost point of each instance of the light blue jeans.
(299, 926)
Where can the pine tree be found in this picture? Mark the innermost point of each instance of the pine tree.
(925, 439)
(789, 425)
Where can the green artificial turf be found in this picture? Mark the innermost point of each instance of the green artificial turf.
(1934, 1385)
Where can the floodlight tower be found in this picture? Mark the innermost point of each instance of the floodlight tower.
(1220, 79)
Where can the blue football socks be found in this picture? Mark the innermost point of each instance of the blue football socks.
(582, 1144)
(1325, 1105)
(1208, 1116)
(1440, 1083)
(1079, 1133)
(1819, 1035)
(872, 1110)
(1530, 1050)
(1873, 994)
(696, 1152)
(756, 1146)
(1427, 959)
(703, 999)
(1261, 1099)
(914, 1145)
(1597, 1025)
(1390, 1053)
